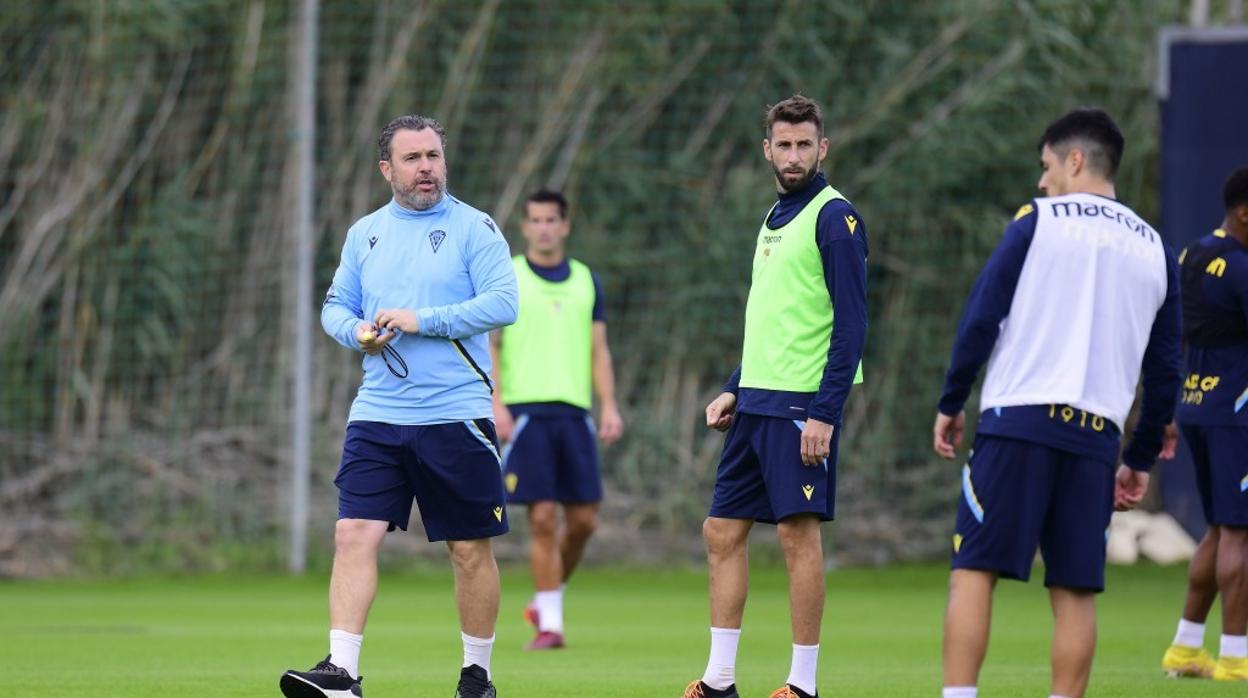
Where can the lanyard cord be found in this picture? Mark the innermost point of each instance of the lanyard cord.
(391, 351)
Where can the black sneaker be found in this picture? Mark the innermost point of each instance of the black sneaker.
(474, 682)
(325, 680)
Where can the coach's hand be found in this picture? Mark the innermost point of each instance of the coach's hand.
(610, 424)
(398, 319)
(816, 441)
(719, 412)
(947, 434)
(1130, 486)
(371, 340)
(1169, 442)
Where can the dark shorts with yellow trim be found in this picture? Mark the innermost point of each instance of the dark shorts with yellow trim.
(1017, 495)
(1220, 455)
(761, 475)
(452, 470)
(552, 458)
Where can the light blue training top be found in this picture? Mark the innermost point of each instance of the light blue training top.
(450, 264)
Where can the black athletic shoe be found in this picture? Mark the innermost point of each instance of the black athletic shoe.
(325, 680)
(474, 683)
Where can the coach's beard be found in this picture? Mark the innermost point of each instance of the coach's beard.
(416, 200)
(798, 185)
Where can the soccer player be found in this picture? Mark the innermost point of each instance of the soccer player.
(782, 407)
(1214, 415)
(545, 364)
(421, 282)
(1079, 294)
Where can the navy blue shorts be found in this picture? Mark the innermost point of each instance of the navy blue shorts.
(1017, 495)
(552, 458)
(452, 470)
(761, 475)
(1220, 454)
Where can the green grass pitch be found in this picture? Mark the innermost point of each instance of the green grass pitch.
(634, 633)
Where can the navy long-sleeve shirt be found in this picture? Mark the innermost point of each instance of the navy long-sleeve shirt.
(844, 252)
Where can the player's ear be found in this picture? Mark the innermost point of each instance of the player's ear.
(767, 149)
(384, 166)
(1075, 162)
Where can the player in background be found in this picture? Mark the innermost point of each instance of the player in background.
(1214, 415)
(545, 365)
(421, 282)
(782, 408)
(1078, 296)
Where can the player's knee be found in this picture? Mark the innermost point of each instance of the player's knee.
(470, 556)
(543, 521)
(356, 536)
(582, 524)
(722, 537)
(799, 534)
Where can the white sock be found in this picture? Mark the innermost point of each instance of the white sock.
(959, 692)
(550, 611)
(477, 651)
(344, 651)
(721, 668)
(802, 670)
(1234, 646)
(1189, 634)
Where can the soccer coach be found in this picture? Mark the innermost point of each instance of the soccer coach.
(421, 283)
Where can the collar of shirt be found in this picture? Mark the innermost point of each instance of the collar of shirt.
(399, 211)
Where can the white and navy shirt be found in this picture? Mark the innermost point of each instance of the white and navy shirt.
(1080, 298)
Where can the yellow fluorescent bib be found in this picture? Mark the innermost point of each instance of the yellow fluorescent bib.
(546, 355)
(788, 317)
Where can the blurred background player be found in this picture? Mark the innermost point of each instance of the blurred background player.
(547, 364)
(782, 407)
(421, 282)
(1214, 416)
(1079, 293)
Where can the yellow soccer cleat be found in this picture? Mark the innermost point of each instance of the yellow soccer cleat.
(1187, 663)
(1231, 669)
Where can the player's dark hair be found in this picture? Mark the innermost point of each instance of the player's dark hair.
(1235, 192)
(408, 122)
(794, 110)
(1092, 131)
(548, 196)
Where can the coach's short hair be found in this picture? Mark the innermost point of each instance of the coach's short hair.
(1093, 132)
(797, 109)
(1235, 192)
(408, 122)
(549, 196)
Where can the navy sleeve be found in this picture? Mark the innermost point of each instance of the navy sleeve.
(988, 305)
(842, 237)
(600, 300)
(1161, 374)
(734, 382)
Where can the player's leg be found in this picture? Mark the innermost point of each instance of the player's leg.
(1006, 488)
(459, 488)
(802, 497)
(740, 498)
(547, 565)
(373, 495)
(1073, 545)
(580, 522)
(968, 620)
(1223, 448)
(1074, 639)
(1186, 656)
(530, 461)
(579, 488)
